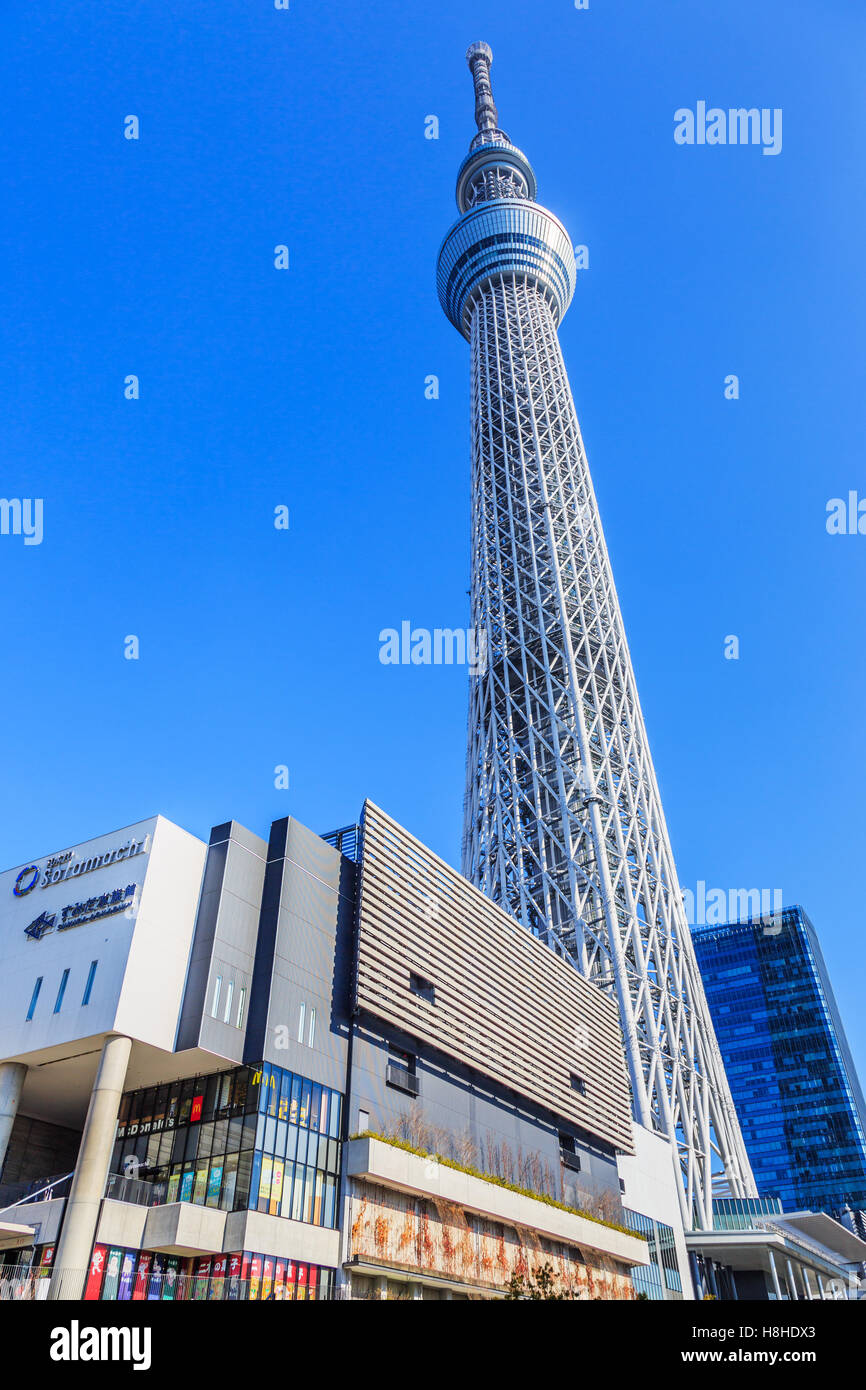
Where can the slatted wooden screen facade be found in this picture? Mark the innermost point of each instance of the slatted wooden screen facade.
(500, 1002)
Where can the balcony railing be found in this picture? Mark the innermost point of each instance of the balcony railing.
(38, 1190)
(402, 1079)
(23, 1284)
(136, 1190)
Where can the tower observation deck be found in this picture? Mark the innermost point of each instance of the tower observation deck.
(563, 820)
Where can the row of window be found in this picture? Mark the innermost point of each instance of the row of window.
(224, 1006)
(61, 991)
(259, 1138)
(660, 1279)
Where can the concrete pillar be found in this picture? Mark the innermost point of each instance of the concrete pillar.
(774, 1275)
(72, 1258)
(821, 1286)
(417, 1291)
(382, 1286)
(12, 1076)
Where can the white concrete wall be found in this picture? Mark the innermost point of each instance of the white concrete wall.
(148, 1009)
(141, 950)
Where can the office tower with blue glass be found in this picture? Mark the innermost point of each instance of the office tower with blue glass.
(564, 825)
(790, 1068)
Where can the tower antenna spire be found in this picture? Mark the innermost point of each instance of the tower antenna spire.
(479, 56)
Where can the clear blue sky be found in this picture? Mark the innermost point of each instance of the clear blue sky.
(306, 388)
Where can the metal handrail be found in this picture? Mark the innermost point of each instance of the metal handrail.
(35, 1196)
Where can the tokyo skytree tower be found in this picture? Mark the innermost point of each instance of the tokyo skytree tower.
(563, 820)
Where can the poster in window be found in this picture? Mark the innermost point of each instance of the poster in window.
(279, 1278)
(169, 1283)
(276, 1188)
(267, 1277)
(200, 1186)
(127, 1270)
(235, 1266)
(302, 1281)
(218, 1277)
(142, 1274)
(255, 1277)
(157, 1270)
(186, 1186)
(95, 1272)
(112, 1275)
(214, 1183)
(195, 1112)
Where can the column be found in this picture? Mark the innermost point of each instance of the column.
(417, 1291)
(382, 1286)
(821, 1286)
(774, 1274)
(12, 1076)
(91, 1171)
(792, 1283)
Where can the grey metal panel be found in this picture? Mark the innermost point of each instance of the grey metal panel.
(225, 941)
(505, 1005)
(311, 939)
(469, 1116)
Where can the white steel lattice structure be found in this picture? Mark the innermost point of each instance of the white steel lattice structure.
(563, 819)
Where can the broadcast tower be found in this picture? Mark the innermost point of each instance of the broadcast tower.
(563, 820)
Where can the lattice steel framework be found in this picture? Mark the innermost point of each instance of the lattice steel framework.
(563, 819)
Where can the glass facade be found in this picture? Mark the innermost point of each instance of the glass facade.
(790, 1070)
(259, 1138)
(741, 1213)
(661, 1278)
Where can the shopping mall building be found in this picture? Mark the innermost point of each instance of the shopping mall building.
(305, 1068)
(316, 1067)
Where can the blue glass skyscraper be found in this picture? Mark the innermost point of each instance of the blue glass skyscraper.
(789, 1067)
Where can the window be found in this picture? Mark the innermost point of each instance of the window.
(568, 1153)
(401, 1072)
(422, 988)
(90, 977)
(62, 990)
(217, 986)
(301, 1023)
(34, 996)
(241, 1001)
(228, 1009)
(577, 1083)
(363, 1121)
(311, 1037)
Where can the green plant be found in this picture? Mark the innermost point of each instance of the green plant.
(497, 1181)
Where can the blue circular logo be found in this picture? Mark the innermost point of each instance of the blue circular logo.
(21, 889)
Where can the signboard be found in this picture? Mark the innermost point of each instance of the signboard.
(79, 914)
(64, 866)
